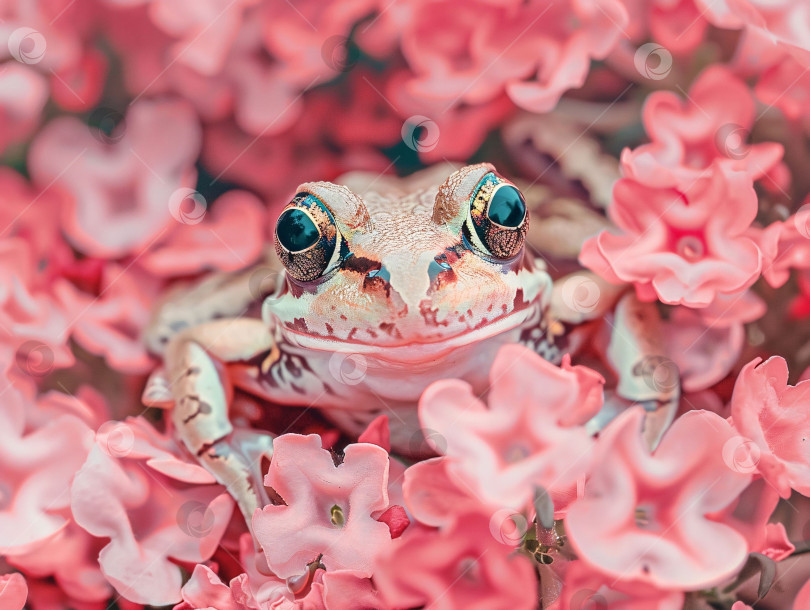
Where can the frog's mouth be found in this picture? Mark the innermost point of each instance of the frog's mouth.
(524, 315)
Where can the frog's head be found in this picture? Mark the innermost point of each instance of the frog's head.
(441, 263)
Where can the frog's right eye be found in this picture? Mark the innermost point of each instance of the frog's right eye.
(306, 238)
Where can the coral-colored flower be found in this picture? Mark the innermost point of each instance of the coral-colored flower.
(461, 566)
(689, 135)
(155, 504)
(110, 324)
(230, 237)
(677, 25)
(38, 457)
(23, 93)
(433, 496)
(772, 417)
(13, 591)
(121, 186)
(785, 246)
(471, 52)
(586, 587)
(682, 246)
(646, 516)
(706, 343)
(327, 508)
(529, 436)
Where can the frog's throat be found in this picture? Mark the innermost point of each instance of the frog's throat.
(416, 349)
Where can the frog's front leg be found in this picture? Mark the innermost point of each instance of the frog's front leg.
(646, 374)
(201, 391)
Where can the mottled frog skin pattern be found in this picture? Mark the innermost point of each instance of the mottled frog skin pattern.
(414, 297)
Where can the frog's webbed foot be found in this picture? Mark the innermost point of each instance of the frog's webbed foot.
(202, 394)
(646, 375)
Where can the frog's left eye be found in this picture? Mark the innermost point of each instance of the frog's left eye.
(307, 238)
(498, 218)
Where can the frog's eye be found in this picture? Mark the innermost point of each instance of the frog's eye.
(307, 238)
(498, 218)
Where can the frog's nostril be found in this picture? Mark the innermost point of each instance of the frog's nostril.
(381, 273)
(437, 265)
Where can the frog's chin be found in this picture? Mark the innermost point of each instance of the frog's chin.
(420, 348)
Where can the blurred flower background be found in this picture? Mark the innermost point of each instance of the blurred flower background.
(661, 145)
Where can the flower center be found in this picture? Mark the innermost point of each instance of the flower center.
(468, 569)
(644, 516)
(516, 452)
(336, 516)
(690, 247)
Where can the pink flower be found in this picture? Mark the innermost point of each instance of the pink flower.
(785, 246)
(677, 25)
(154, 503)
(772, 417)
(110, 324)
(328, 509)
(529, 436)
(121, 186)
(706, 343)
(689, 135)
(23, 94)
(13, 591)
(470, 52)
(461, 566)
(433, 496)
(683, 246)
(39, 454)
(586, 587)
(253, 591)
(230, 237)
(646, 516)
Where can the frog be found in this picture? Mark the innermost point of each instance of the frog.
(379, 286)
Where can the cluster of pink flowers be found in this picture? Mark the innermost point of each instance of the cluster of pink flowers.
(147, 143)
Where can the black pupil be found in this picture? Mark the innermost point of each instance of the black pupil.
(296, 231)
(507, 207)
